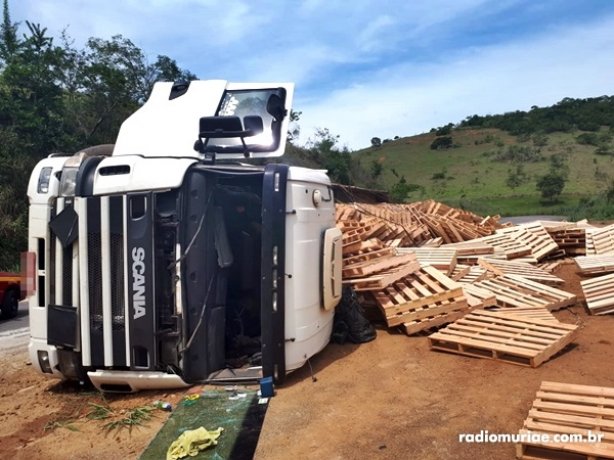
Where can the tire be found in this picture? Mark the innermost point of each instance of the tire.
(10, 305)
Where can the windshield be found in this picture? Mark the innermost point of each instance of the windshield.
(242, 103)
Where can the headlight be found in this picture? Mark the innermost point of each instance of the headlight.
(43, 361)
(43, 179)
(68, 182)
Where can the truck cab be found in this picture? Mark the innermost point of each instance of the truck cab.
(170, 258)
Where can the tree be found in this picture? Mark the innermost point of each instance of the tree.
(516, 177)
(323, 148)
(294, 129)
(551, 186)
(8, 34)
(376, 142)
(400, 190)
(376, 169)
(441, 143)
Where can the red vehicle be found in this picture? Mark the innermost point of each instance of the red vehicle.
(10, 292)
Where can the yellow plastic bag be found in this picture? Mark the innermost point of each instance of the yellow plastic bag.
(191, 442)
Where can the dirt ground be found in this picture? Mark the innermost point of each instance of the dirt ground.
(391, 398)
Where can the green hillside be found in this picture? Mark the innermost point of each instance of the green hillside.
(491, 171)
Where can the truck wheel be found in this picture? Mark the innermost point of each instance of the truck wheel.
(10, 306)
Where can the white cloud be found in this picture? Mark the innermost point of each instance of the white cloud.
(408, 99)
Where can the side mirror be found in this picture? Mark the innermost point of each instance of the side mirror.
(230, 127)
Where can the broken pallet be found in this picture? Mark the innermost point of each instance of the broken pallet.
(566, 409)
(507, 338)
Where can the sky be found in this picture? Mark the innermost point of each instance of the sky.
(368, 68)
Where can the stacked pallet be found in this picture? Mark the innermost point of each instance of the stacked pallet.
(570, 239)
(570, 410)
(368, 264)
(535, 236)
(507, 338)
(418, 223)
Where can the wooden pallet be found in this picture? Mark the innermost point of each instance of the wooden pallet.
(502, 337)
(478, 297)
(603, 240)
(360, 247)
(533, 235)
(420, 297)
(526, 312)
(599, 294)
(471, 248)
(460, 271)
(368, 256)
(589, 244)
(382, 279)
(595, 265)
(444, 259)
(511, 247)
(571, 240)
(525, 270)
(379, 265)
(475, 274)
(562, 408)
(550, 266)
(514, 291)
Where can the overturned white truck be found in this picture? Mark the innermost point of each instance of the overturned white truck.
(167, 259)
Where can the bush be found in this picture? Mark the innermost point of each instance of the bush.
(519, 154)
(551, 186)
(441, 143)
(588, 139)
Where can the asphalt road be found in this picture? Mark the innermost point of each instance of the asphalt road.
(15, 333)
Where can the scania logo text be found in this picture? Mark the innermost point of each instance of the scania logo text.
(138, 282)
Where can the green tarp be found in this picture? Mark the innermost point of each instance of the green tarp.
(240, 416)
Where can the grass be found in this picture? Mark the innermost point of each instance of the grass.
(470, 174)
(129, 418)
(59, 423)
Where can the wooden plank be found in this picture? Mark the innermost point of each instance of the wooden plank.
(501, 337)
(561, 408)
(514, 291)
